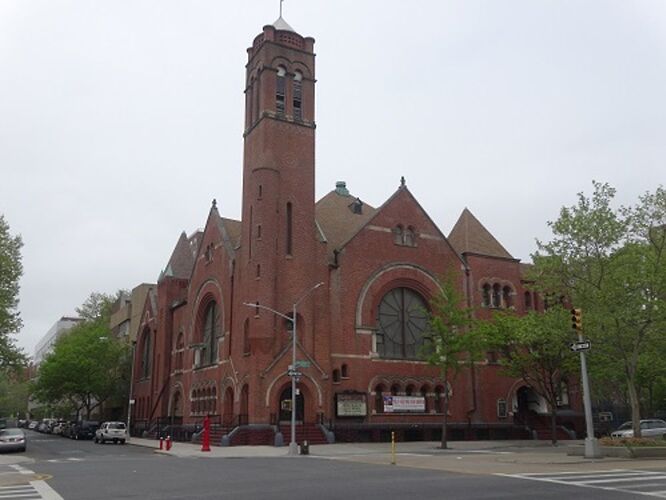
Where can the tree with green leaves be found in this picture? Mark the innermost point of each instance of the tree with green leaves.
(98, 305)
(452, 345)
(535, 349)
(11, 270)
(611, 263)
(85, 369)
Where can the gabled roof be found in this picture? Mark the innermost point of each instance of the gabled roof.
(233, 229)
(470, 236)
(182, 258)
(337, 220)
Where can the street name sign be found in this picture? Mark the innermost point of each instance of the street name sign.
(303, 363)
(580, 346)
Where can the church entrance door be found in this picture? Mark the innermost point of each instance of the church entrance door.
(285, 406)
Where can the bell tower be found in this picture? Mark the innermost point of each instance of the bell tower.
(278, 245)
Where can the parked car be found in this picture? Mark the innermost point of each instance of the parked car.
(111, 431)
(85, 429)
(12, 439)
(33, 425)
(649, 428)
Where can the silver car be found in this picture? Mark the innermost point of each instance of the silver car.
(12, 440)
(111, 431)
(652, 428)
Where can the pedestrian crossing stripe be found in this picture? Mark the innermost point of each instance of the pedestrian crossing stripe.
(26, 491)
(637, 482)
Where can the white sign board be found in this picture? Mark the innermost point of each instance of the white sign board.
(393, 404)
(351, 405)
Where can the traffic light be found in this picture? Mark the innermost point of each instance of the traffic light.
(577, 319)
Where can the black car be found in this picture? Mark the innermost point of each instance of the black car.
(85, 429)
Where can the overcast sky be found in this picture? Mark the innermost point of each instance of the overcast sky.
(121, 120)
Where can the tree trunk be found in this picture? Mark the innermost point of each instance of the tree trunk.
(635, 408)
(553, 425)
(445, 420)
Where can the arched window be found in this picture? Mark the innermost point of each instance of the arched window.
(210, 333)
(180, 348)
(409, 390)
(261, 192)
(336, 376)
(439, 399)
(397, 234)
(297, 95)
(379, 399)
(258, 275)
(424, 395)
(395, 389)
(145, 355)
(344, 371)
(507, 296)
(289, 228)
(409, 239)
(258, 231)
(528, 300)
(497, 295)
(255, 100)
(485, 296)
(246, 336)
(279, 90)
(403, 321)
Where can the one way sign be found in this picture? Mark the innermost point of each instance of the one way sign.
(580, 346)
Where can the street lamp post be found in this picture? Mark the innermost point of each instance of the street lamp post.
(293, 447)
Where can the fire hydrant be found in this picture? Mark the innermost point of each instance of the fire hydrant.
(205, 438)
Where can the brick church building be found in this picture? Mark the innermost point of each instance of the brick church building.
(361, 278)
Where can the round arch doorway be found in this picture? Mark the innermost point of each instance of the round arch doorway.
(285, 405)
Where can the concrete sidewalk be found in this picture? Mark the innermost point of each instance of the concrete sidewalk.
(471, 457)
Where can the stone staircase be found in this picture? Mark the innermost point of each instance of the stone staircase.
(546, 433)
(216, 433)
(311, 433)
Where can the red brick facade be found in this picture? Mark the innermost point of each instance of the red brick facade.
(203, 351)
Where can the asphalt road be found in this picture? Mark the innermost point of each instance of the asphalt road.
(84, 470)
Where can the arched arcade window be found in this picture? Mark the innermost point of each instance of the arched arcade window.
(402, 324)
(210, 333)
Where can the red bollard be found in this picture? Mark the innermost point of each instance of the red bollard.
(168, 443)
(161, 443)
(205, 439)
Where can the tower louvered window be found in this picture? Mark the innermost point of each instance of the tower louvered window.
(280, 90)
(298, 91)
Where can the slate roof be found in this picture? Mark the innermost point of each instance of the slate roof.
(470, 236)
(336, 219)
(182, 258)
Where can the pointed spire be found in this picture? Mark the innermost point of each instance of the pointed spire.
(470, 236)
(214, 204)
(402, 182)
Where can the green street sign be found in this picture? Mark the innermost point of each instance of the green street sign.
(303, 363)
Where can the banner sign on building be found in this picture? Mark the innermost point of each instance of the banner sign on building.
(393, 404)
(351, 405)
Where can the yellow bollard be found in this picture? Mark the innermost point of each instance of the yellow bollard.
(392, 448)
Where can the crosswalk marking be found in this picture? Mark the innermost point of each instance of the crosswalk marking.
(19, 491)
(638, 482)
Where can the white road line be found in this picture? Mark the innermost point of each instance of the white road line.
(549, 474)
(615, 474)
(45, 490)
(21, 470)
(616, 480)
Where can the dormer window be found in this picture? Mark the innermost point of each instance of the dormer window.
(357, 206)
(280, 90)
(297, 96)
